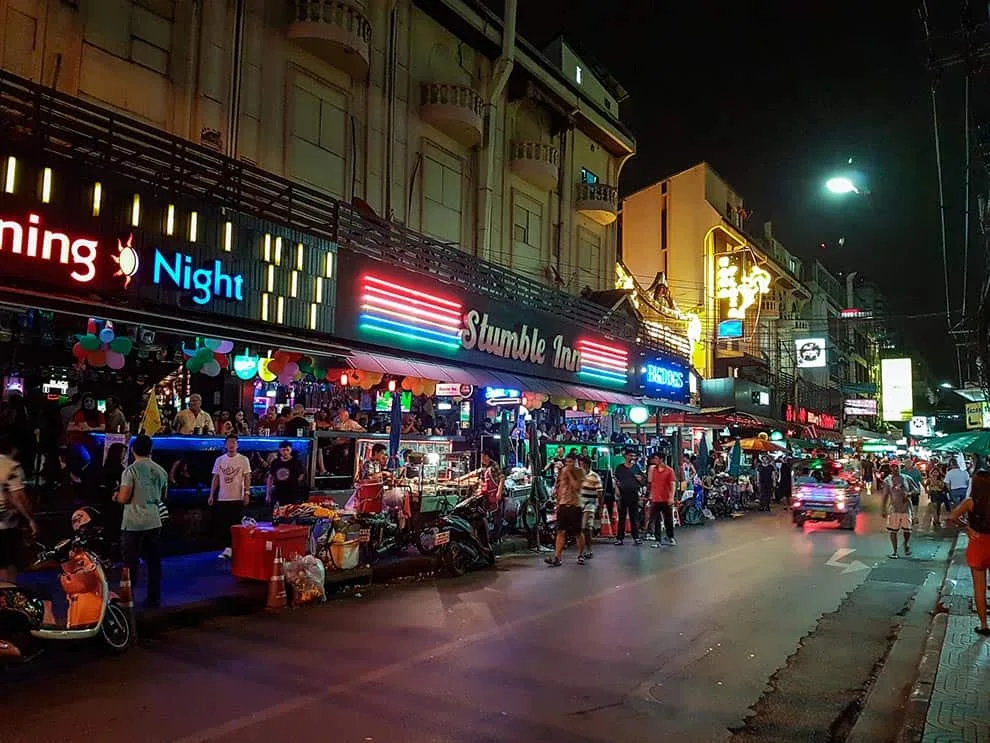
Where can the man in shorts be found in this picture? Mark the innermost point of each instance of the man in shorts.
(569, 511)
(591, 501)
(897, 489)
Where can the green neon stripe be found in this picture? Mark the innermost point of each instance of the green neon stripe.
(603, 377)
(408, 337)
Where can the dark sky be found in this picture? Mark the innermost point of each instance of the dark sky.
(775, 95)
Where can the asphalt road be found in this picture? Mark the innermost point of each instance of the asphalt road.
(720, 637)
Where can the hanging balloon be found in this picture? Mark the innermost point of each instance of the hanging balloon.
(224, 347)
(107, 335)
(265, 371)
(115, 360)
(78, 351)
(89, 342)
(204, 354)
(194, 365)
(97, 358)
(211, 343)
(211, 368)
(122, 346)
(290, 370)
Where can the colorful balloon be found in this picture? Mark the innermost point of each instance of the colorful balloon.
(211, 368)
(121, 345)
(265, 372)
(115, 360)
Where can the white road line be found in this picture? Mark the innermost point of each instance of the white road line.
(291, 705)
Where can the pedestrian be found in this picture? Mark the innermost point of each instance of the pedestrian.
(785, 477)
(591, 500)
(897, 490)
(957, 482)
(937, 492)
(978, 549)
(662, 484)
(628, 478)
(568, 492)
(285, 478)
(492, 486)
(143, 489)
(230, 492)
(766, 474)
(867, 464)
(14, 512)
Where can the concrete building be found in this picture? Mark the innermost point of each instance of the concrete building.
(431, 113)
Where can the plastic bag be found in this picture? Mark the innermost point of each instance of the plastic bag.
(306, 576)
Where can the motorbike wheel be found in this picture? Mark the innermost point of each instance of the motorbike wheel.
(456, 558)
(529, 517)
(426, 541)
(116, 629)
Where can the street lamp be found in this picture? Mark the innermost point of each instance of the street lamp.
(841, 185)
(946, 385)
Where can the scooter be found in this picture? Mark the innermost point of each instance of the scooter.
(93, 609)
(463, 540)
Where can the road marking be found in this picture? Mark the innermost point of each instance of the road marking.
(378, 674)
(848, 567)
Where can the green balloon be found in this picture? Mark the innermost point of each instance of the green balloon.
(122, 346)
(89, 342)
(204, 354)
(194, 364)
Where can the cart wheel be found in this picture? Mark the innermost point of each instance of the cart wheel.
(529, 516)
(456, 558)
(426, 542)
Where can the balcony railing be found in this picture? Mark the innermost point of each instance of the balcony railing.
(334, 30)
(598, 201)
(536, 162)
(456, 110)
(38, 123)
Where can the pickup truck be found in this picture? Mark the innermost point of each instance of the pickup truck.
(838, 500)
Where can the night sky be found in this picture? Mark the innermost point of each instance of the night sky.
(776, 96)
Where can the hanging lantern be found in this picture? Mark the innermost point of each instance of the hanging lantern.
(344, 379)
(391, 385)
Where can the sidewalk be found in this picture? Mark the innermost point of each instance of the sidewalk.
(954, 674)
(199, 586)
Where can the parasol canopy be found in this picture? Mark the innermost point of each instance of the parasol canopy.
(970, 442)
(757, 444)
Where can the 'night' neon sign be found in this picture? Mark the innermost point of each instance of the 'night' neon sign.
(203, 283)
(30, 241)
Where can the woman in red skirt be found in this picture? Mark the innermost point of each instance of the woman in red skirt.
(978, 551)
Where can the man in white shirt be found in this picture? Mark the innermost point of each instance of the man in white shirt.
(230, 492)
(193, 420)
(957, 481)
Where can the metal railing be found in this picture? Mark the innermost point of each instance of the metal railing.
(39, 122)
(598, 192)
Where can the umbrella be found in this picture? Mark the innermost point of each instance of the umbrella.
(396, 429)
(970, 442)
(735, 461)
(703, 457)
(757, 444)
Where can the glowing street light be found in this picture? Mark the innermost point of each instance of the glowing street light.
(946, 385)
(841, 185)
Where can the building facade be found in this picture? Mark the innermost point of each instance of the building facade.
(429, 113)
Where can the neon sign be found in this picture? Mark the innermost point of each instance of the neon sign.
(824, 420)
(398, 311)
(664, 376)
(203, 283)
(604, 363)
(24, 240)
(502, 396)
(740, 290)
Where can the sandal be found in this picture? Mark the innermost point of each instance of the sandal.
(555, 562)
(580, 559)
(981, 630)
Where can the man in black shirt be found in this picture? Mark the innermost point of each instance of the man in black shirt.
(765, 475)
(629, 479)
(285, 477)
(784, 481)
(298, 425)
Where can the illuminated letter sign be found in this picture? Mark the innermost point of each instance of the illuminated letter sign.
(739, 290)
(30, 241)
(203, 283)
(664, 377)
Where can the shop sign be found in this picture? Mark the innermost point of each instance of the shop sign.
(502, 396)
(665, 379)
(402, 311)
(810, 353)
(855, 406)
(738, 287)
(804, 416)
(452, 389)
(26, 238)
(977, 415)
(203, 284)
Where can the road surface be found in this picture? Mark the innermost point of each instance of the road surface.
(743, 632)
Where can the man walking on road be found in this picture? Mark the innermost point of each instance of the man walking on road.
(591, 500)
(766, 474)
(897, 490)
(662, 484)
(142, 490)
(957, 481)
(628, 480)
(568, 492)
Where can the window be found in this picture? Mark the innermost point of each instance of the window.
(663, 187)
(663, 227)
(527, 235)
(588, 177)
(317, 152)
(140, 31)
(442, 186)
(589, 245)
(578, 74)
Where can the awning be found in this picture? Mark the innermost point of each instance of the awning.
(651, 402)
(405, 367)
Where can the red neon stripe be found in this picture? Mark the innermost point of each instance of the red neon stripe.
(604, 363)
(375, 292)
(403, 314)
(599, 347)
(413, 292)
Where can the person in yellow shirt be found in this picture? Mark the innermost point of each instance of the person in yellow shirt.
(193, 417)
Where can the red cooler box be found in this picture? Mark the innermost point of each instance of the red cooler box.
(254, 548)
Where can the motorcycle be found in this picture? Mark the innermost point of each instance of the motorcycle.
(27, 618)
(398, 525)
(463, 540)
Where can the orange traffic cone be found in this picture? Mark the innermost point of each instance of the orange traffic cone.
(276, 584)
(608, 526)
(127, 598)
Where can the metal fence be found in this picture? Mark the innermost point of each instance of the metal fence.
(37, 121)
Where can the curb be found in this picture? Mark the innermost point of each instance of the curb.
(916, 709)
(250, 599)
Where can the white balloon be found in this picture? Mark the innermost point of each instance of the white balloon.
(211, 368)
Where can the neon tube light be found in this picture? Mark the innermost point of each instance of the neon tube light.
(599, 347)
(606, 377)
(374, 292)
(375, 311)
(412, 330)
(383, 304)
(413, 292)
(367, 325)
(594, 358)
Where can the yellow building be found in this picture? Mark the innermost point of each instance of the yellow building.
(694, 230)
(425, 111)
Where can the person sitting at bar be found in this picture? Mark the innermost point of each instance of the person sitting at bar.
(193, 420)
(267, 425)
(88, 419)
(408, 425)
(343, 422)
(298, 425)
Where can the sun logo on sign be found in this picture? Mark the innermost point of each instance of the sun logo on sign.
(127, 260)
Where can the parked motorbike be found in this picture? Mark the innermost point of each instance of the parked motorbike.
(27, 619)
(463, 540)
(392, 522)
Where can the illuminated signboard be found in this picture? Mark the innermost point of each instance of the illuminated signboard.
(400, 311)
(453, 389)
(810, 417)
(203, 284)
(861, 407)
(502, 396)
(25, 237)
(665, 379)
(855, 314)
(897, 390)
(810, 353)
(730, 329)
(922, 426)
(740, 289)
